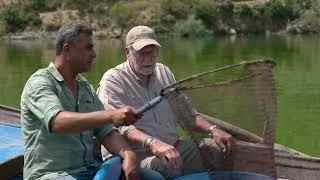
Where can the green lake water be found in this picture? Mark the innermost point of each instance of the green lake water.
(297, 72)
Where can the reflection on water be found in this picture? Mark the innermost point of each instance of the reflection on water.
(296, 73)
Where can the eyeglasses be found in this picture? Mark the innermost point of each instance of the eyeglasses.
(143, 53)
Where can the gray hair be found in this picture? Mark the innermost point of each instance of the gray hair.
(69, 33)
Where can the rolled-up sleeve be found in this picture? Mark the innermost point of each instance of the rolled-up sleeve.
(41, 100)
(113, 97)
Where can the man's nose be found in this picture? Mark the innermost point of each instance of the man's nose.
(94, 55)
(149, 61)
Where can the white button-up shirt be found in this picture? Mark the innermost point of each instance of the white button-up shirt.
(120, 86)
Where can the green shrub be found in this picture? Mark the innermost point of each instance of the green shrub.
(302, 4)
(53, 5)
(101, 9)
(316, 8)
(2, 27)
(178, 8)
(281, 11)
(190, 27)
(207, 12)
(33, 19)
(81, 5)
(226, 10)
(295, 9)
(123, 13)
(278, 10)
(311, 18)
(243, 10)
(16, 18)
(39, 4)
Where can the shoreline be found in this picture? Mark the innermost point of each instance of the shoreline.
(46, 35)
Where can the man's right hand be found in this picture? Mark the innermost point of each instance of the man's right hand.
(167, 153)
(125, 116)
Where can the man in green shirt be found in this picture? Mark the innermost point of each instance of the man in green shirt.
(60, 115)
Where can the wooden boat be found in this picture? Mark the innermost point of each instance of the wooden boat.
(290, 164)
(11, 166)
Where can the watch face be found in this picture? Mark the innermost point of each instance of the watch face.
(212, 127)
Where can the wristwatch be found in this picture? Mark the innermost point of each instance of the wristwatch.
(211, 128)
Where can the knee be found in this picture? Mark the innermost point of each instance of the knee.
(167, 172)
(156, 164)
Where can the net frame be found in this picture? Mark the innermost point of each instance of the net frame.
(252, 153)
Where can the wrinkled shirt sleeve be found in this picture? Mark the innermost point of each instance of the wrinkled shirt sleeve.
(41, 99)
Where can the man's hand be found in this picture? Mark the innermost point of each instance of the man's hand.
(223, 139)
(167, 153)
(125, 116)
(130, 166)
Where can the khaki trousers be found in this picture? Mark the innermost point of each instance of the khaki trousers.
(195, 158)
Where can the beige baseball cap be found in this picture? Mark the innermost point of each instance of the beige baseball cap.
(141, 36)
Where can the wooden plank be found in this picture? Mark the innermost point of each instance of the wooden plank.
(9, 115)
(12, 167)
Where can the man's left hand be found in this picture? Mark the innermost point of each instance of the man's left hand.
(223, 139)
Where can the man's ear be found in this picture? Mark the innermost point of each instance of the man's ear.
(66, 48)
(127, 50)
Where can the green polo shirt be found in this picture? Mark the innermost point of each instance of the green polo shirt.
(48, 154)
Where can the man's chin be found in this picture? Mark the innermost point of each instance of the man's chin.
(86, 69)
(146, 73)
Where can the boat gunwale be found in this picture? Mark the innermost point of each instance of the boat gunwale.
(9, 115)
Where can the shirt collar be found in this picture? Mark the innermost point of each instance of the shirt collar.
(56, 74)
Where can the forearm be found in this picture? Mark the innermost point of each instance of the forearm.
(167, 153)
(73, 122)
(116, 144)
(202, 124)
(136, 136)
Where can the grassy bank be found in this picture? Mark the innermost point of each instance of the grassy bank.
(112, 18)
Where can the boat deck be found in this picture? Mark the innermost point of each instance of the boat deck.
(11, 142)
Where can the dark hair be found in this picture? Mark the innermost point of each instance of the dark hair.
(69, 33)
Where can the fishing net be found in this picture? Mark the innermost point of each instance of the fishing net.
(242, 100)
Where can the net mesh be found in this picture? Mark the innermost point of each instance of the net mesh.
(242, 100)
